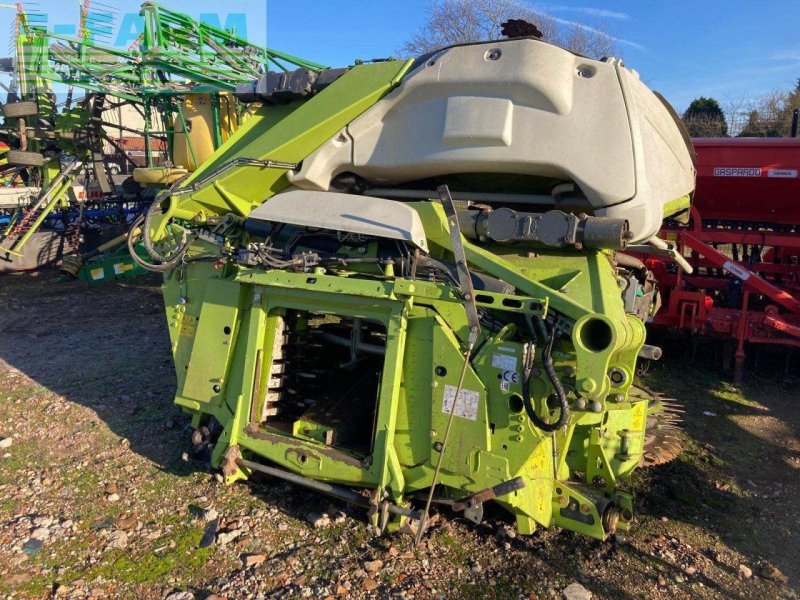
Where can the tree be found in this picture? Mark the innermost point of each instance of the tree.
(451, 22)
(768, 115)
(753, 127)
(704, 118)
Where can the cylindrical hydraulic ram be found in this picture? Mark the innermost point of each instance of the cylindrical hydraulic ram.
(553, 228)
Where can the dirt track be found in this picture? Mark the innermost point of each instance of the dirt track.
(97, 500)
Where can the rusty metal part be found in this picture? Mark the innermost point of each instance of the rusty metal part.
(663, 442)
(472, 506)
(228, 465)
(611, 519)
(490, 494)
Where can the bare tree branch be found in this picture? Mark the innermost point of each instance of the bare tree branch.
(450, 22)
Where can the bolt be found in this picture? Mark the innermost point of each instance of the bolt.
(627, 514)
(595, 406)
(438, 446)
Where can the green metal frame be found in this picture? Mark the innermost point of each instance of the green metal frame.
(222, 323)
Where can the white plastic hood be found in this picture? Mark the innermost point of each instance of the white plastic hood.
(520, 107)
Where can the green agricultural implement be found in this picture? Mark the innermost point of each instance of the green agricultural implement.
(179, 75)
(403, 284)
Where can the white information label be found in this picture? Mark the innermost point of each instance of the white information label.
(467, 405)
(737, 171)
(782, 173)
(738, 270)
(504, 362)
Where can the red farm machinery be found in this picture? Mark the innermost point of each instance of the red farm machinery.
(742, 242)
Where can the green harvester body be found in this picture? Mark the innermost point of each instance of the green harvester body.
(228, 322)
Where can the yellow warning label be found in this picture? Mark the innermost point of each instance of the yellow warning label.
(97, 274)
(637, 416)
(121, 268)
(188, 326)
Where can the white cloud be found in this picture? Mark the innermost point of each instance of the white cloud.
(599, 31)
(592, 12)
(788, 55)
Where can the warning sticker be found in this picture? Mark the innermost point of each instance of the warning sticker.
(504, 362)
(97, 274)
(467, 405)
(188, 326)
(121, 268)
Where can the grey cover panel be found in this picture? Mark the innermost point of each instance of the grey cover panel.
(364, 215)
(519, 107)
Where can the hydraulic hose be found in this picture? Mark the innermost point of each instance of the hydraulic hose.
(549, 369)
(132, 234)
(630, 262)
(155, 208)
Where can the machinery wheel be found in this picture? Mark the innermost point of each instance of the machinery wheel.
(20, 109)
(25, 159)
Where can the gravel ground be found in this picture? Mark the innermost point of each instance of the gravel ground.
(98, 498)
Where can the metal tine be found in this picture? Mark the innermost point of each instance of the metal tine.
(101, 32)
(99, 27)
(100, 18)
(108, 6)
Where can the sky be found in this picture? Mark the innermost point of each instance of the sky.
(684, 49)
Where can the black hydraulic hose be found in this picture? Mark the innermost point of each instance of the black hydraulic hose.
(162, 268)
(630, 262)
(547, 363)
(148, 243)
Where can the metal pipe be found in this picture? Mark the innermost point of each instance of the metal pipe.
(363, 346)
(336, 491)
(326, 488)
(649, 352)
